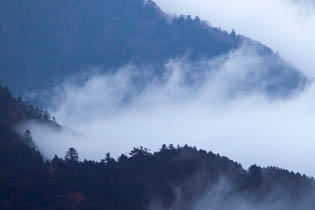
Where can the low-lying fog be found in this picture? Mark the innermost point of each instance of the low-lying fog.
(114, 112)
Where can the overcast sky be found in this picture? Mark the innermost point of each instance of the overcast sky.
(287, 26)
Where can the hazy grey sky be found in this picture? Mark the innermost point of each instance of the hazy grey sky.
(287, 26)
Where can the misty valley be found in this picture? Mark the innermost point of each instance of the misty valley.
(143, 105)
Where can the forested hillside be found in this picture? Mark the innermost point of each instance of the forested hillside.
(44, 42)
(173, 178)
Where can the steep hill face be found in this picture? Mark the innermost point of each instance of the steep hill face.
(44, 42)
(14, 112)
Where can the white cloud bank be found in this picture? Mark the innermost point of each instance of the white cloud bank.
(112, 115)
(287, 26)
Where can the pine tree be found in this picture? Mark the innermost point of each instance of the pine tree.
(72, 155)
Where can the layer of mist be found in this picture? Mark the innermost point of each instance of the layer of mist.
(222, 195)
(220, 105)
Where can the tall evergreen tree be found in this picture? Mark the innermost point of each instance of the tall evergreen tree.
(72, 155)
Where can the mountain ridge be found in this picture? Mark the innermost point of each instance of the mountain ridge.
(46, 42)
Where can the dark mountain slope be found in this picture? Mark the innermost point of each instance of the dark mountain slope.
(44, 42)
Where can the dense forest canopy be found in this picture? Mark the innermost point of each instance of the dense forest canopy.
(175, 177)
